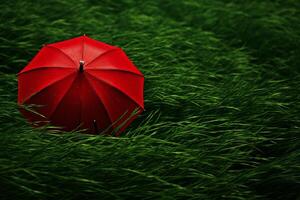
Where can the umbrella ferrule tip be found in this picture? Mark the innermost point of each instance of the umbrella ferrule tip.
(81, 63)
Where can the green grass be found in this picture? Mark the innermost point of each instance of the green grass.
(221, 97)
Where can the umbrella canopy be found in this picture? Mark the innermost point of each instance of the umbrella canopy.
(81, 83)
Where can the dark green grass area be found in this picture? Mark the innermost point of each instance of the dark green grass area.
(222, 99)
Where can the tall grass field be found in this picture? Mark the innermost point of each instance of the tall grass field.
(222, 100)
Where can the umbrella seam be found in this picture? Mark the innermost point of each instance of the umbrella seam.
(96, 94)
(55, 108)
(44, 67)
(102, 54)
(41, 90)
(66, 55)
(116, 88)
(80, 101)
(119, 70)
(82, 50)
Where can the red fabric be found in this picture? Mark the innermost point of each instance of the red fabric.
(108, 90)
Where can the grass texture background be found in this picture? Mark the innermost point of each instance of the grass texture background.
(222, 99)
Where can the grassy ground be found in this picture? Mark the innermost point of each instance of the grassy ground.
(221, 96)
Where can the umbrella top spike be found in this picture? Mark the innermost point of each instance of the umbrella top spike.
(81, 64)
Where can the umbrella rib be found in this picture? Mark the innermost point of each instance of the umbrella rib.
(102, 54)
(41, 90)
(66, 55)
(94, 90)
(116, 88)
(44, 67)
(118, 70)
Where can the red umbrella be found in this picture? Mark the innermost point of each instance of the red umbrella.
(81, 83)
